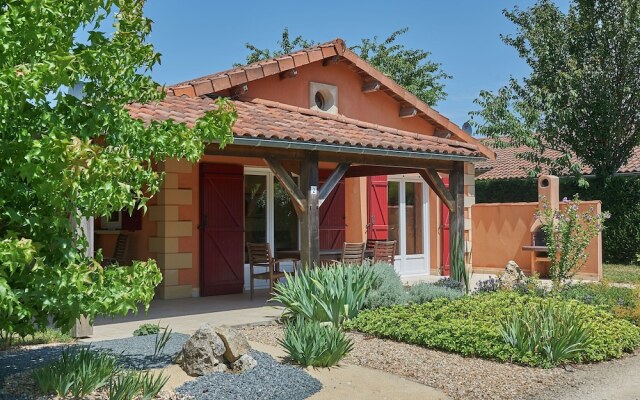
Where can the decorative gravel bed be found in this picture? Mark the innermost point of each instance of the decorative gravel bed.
(268, 380)
(459, 377)
(136, 352)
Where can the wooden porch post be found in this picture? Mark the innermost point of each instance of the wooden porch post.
(456, 216)
(310, 218)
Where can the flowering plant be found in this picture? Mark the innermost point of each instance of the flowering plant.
(568, 233)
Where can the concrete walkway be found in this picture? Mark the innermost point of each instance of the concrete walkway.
(186, 315)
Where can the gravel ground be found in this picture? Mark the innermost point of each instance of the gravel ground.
(136, 352)
(457, 376)
(268, 380)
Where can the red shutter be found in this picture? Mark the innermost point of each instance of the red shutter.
(332, 216)
(131, 222)
(377, 210)
(221, 229)
(444, 228)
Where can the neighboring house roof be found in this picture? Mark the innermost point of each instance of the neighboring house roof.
(507, 164)
(263, 119)
(224, 80)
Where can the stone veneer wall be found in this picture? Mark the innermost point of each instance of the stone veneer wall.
(170, 228)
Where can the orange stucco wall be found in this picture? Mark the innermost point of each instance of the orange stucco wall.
(501, 229)
(376, 107)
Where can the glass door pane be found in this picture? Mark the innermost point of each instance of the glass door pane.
(393, 207)
(285, 219)
(255, 210)
(413, 213)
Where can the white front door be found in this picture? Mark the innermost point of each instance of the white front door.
(408, 202)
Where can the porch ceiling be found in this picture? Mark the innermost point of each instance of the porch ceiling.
(266, 124)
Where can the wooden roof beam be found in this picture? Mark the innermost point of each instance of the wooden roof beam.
(292, 73)
(330, 60)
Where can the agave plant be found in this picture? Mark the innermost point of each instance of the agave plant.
(326, 294)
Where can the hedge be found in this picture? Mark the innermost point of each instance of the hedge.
(620, 195)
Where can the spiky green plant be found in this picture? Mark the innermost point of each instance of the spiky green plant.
(458, 268)
(161, 341)
(311, 343)
(326, 294)
(77, 372)
(550, 330)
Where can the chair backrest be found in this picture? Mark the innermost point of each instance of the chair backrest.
(121, 249)
(353, 253)
(371, 243)
(259, 253)
(384, 251)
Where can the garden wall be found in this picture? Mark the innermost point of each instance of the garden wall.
(501, 229)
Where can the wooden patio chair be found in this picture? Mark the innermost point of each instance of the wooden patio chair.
(120, 251)
(260, 256)
(384, 251)
(353, 253)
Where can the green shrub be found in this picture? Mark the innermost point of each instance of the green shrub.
(131, 384)
(423, 292)
(449, 283)
(78, 372)
(147, 329)
(311, 343)
(549, 331)
(470, 326)
(49, 335)
(601, 294)
(329, 294)
(387, 288)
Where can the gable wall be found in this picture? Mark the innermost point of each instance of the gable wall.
(377, 107)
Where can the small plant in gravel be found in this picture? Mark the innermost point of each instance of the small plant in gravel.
(147, 329)
(132, 384)
(311, 343)
(387, 289)
(326, 294)
(549, 331)
(78, 372)
(424, 292)
(449, 283)
(161, 341)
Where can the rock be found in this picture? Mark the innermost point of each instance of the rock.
(244, 363)
(512, 275)
(234, 341)
(202, 353)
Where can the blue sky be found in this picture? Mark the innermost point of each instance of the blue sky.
(199, 37)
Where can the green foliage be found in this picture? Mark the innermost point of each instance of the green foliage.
(41, 337)
(387, 289)
(623, 302)
(130, 384)
(621, 273)
(424, 292)
(620, 196)
(311, 343)
(458, 267)
(161, 341)
(78, 372)
(327, 294)
(583, 93)
(63, 158)
(147, 329)
(548, 331)
(568, 233)
(471, 326)
(410, 68)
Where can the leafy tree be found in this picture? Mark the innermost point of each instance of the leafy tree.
(583, 94)
(410, 68)
(64, 158)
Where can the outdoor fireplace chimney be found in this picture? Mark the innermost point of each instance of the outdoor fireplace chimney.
(549, 195)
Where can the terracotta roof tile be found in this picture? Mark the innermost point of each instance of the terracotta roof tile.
(261, 118)
(508, 165)
(317, 53)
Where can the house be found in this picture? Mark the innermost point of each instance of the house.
(326, 149)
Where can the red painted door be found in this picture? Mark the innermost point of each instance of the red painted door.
(332, 216)
(377, 208)
(221, 229)
(444, 228)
